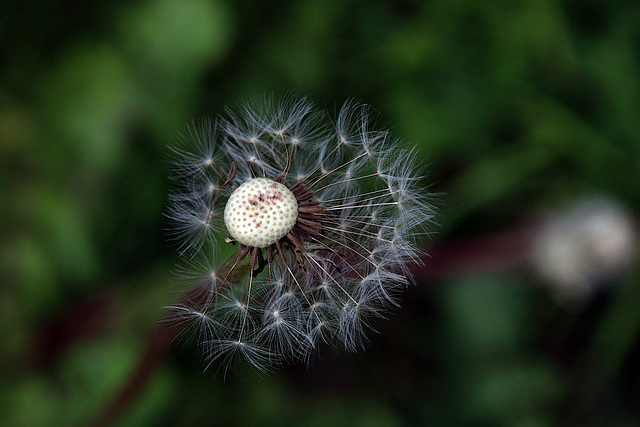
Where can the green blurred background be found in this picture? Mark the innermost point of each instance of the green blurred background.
(520, 109)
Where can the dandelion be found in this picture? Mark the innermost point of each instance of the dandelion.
(585, 248)
(322, 217)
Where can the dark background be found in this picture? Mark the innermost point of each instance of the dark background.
(522, 110)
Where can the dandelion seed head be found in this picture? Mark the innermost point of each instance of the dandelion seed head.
(323, 214)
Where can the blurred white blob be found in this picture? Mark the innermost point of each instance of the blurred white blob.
(584, 248)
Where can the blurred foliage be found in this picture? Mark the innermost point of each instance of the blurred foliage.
(516, 106)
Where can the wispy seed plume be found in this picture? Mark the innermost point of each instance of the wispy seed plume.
(323, 216)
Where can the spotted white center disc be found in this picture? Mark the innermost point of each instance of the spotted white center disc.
(260, 212)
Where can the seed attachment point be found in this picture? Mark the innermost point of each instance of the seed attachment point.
(260, 212)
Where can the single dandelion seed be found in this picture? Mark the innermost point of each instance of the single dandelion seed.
(322, 217)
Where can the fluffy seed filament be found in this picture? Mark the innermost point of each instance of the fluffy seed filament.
(315, 211)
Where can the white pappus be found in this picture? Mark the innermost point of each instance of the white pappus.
(323, 216)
